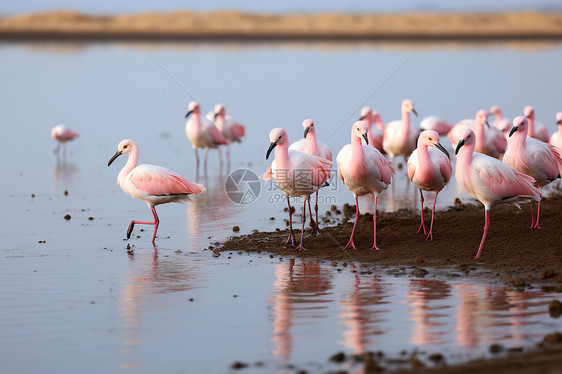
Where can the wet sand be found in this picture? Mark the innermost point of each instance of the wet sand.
(233, 25)
(511, 247)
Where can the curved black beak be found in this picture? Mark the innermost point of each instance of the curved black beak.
(414, 111)
(306, 131)
(487, 123)
(442, 149)
(513, 129)
(362, 118)
(216, 115)
(188, 113)
(459, 146)
(366, 138)
(117, 154)
(271, 146)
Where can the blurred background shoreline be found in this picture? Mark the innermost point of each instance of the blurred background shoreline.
(321, 26)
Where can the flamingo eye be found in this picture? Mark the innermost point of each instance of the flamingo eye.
(125, 146)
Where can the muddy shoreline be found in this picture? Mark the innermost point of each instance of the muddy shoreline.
(512, 250)
(239, 26)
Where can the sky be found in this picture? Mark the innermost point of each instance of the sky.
(9, 7)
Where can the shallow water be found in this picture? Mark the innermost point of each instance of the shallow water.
(79, 300)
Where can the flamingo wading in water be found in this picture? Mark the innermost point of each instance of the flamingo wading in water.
(489, 180)
(62, 134)
(230, 130)
(296, 173)
(376, 134)
(533, 157)
(152, 184)
(312, 146)
(364, 171)
(430, 170)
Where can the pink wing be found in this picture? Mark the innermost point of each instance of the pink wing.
(321, 168)
(159, 181)
(411, 169)
(237, 131)
(268, 175)
(500, 143)
(386, 168)
(215, 135)
(445, 168)
(501, 179)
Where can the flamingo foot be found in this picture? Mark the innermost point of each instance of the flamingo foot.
(376, 248)
(350, 243)
(300, 248)
(429, 236)
(422, 225)
(291, 237)
(314, 227)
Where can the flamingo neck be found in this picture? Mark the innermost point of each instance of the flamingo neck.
(479, 131)
(464, 161)
(531, 121)
(356, 149)
(219, 122)
(129, 166)
(282, 156)
(311, 144)
(380, 125)
(405, 131)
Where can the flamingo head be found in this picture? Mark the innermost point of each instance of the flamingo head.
(219, 110)
(430, 138)
(126, 146)
(520, 124)
(529, 112)
(482, 117)
(308, 126)
(466, 137)
(276, 137)
(495, 111)
(360, 130)
(192, 107)
(559, 118)
(408, 106)
(366, 114)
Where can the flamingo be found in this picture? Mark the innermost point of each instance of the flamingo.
(536, 129)
(152, 184)
(489, 180)
(62, 134)
(533, 157)
(556, 138)
(311, 146)
(400, 136)
(429, 169)
(375, 135)
(230, 130)
(201, 134)
(364, 171)
(296, 174)
(502, 124)
(437, 124)
(488, 139)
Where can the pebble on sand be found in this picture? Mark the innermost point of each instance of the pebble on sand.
(67, 217)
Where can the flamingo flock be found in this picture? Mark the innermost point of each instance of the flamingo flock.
(508, 162)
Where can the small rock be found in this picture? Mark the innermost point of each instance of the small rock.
(272, 218)
(32, 195)
(178, 251)
(435, 357)
(555, 308)
(338, 357)
(416, 363)
(67, 217)
(518, 282)
(333, 208)
(238, 365)
(65, 193)
(418, 260)
(369, 364)
(334, 263)
(42, 241)
(90, 218)
(547, 274)
(553, 338)
(235, 228)
(496, 348)
(419, 272)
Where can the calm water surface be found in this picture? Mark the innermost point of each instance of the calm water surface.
(80, 301)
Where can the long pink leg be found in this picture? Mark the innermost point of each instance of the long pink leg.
(421, 215)
(486, 227)
(312, 223)
(375, 226)
(303, 220)
(536, 225)
(155, 223)
(430, 236)
(350, 242)
(532, 217)
(316, 209)
(291, 236)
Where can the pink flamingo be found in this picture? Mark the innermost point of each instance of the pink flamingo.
(489, 180)
(296, 174)
(556, 138)
(375, 135)
(489, 140)
(152, 184)
(62, 134)
(437, 124)
(230, 130)
(430, 170)
(502, 124)
(201, 134)
(311, 146)
(364, 171)
(533, 157)
(400, 136)
(536, 129)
